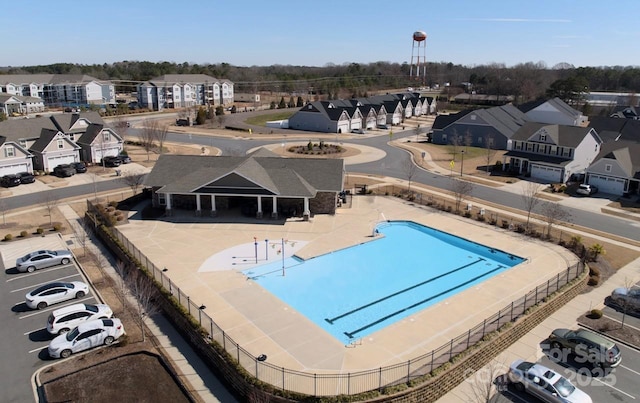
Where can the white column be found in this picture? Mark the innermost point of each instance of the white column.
(198, 205)
(306, 214)
(274, 212)
(168, 204)
(213, 205)
(259, 213)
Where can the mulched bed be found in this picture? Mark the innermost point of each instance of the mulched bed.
(612, 329)
(138, 377)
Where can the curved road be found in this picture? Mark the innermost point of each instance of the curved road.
(393, 165)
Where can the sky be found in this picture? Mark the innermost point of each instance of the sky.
(320, 33)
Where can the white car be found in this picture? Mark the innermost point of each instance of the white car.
(85, 336)
(52, 293)
(586, 190)
(41, 259)
(64, 319)
(544, 383)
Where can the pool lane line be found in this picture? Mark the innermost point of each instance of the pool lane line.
(350, 334)
(331, 320)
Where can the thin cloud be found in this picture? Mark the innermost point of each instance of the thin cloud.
(516, 20)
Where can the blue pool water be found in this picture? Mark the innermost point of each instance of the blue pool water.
(356, 291)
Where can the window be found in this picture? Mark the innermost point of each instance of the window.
(60, 144)
(9, 151)
(553, 150)
(105, 136)
(23, 143)
(529, 147)
(473, 117)
(72, 137)
(607, 167)
(162, 199)
(543, 137)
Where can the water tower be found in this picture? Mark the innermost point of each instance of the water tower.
(419, 56)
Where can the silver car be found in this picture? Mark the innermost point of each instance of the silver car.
(626, 298)
(544, 383)
(41, 259)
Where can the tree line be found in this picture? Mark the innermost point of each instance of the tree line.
(526, 81)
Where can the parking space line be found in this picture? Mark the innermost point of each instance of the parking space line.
(630, 370)
(48, 270)
(613, 387)
(53, 307)
(626, 324)
(37, 349)
(33, 331)
(46, 282)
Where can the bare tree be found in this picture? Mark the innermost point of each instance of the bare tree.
(3, 211)
(148, 135)
(49, 201)
(624, 303)
(486, 382)
(221, 119)
(161, 135)
(490, 150)
(100, 261)
(133, 179)
(121, 126)
(553, 212)
(121, 281)
(144, 293)
(461, 190)
(410, 170)
(529, 192)
(80, 234)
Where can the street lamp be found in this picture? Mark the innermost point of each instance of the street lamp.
(461, 161)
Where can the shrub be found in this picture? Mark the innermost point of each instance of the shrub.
(8, 237)
(595, 314)
(119, 217)
(40, 231)
(57, 227)
(593, 281)
(113, 203)
(594, 271)
(111, 209)
(24, 234)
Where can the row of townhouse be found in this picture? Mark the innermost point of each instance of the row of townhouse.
(41, 144)
(58, 90)
(344, 116)
(550, 141)
(184, 91)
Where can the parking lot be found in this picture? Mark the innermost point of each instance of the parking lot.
(23, 330)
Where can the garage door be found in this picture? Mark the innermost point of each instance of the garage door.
(13, 169)
(551, 175)
(55, 161)
(607, 184)
(108, 152)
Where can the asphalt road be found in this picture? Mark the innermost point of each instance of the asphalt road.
(394, 165)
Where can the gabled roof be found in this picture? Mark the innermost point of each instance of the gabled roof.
(626, 112)
(506, 119)
(90, 134)
(627, 156)
(72, 79)
(556, 103)
(295, 177)
(18, 129)
(562, 135)
(615, 129)
(46, 137)
(65, 121)
(3, 140)
(443, 121)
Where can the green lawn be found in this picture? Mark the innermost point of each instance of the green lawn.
(469, 152)
(261, 120)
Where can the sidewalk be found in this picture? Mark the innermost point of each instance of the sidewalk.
(191, 369)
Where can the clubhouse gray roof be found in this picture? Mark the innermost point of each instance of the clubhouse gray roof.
(284, 177)
(507, 119)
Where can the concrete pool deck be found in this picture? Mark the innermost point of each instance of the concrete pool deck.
(201, 257)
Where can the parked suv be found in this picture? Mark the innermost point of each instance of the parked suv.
(111, 161)
(10, 180)
(586, 190)
(26, 177)
(80, 167)
(587, 346)
(64, 171)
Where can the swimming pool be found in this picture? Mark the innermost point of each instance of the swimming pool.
(353, 292)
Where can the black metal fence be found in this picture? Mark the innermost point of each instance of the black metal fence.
(329, 384)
